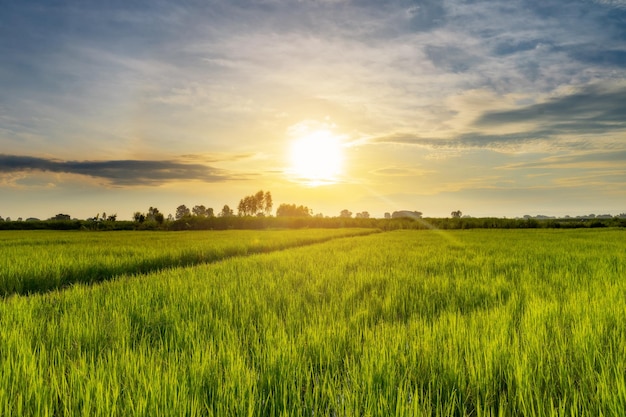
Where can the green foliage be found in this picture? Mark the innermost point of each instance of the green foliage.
(406, 323)
(44, 260)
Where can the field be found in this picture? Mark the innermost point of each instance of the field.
(314, 323)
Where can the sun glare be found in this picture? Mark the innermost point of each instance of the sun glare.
(317, 158)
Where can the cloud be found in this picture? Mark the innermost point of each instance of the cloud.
(606, 160)
(593, 109)
(121, 173)
(591, 117)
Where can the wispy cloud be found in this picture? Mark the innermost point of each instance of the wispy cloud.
(607, 160)
(120, 173)
(564, 120)
(594, 109)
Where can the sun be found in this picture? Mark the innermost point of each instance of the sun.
(317, 158)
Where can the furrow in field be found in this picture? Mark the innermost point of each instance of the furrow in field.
(35, 262)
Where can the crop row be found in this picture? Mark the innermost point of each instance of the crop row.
(407, 323)
(37, 261)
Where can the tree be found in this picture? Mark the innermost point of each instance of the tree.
(182, 211)
(256, 204)
(112, 218)
(345, 213)
(199, 211)
(268, 203)
(363, 215)
(139, 217)
(291, 210)
(226, 211)
(152, 214)
(209, 212)
(387, 215)
(456, 214)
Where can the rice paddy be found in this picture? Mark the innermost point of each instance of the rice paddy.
(404, 323)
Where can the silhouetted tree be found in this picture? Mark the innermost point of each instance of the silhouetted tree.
(199, 211)
(291, 210)
(254, 205)
(182, 211)
(139, 217)
(268, 203)
(345, 213)
(456, 214)
(209, 212)
(226, 211)
(152, 214)
(363, 215)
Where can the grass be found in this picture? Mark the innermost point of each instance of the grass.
(407, 323)
(38, 261)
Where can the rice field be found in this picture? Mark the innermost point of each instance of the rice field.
(404, 323)
(37, 261)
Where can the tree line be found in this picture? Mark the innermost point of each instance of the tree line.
(254, 212)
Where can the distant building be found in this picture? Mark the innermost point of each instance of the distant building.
(406, 213)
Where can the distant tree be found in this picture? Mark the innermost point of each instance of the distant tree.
(226, 211)
(199, 211)
(112, 218)
(1, 219)
(209, 212)
(256, 204)
(61, 217)
(345, 213)
(268, 203)
(152, 214)
(159, 218)
(139, 217)
(291, 210)
(456, 214)
(182, 211)
(387, 215)
(363, 215)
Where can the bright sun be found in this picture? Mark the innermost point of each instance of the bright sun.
(317, 158)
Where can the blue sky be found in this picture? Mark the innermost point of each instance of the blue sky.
(495, 108)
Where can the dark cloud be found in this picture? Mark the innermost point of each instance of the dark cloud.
(469, 140)
(123, 173)
(594, 109)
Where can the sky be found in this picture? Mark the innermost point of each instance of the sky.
(494, 108)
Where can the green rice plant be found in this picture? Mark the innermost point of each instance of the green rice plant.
(36, 261)
(406, 323)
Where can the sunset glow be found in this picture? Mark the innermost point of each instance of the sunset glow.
(316, 158)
